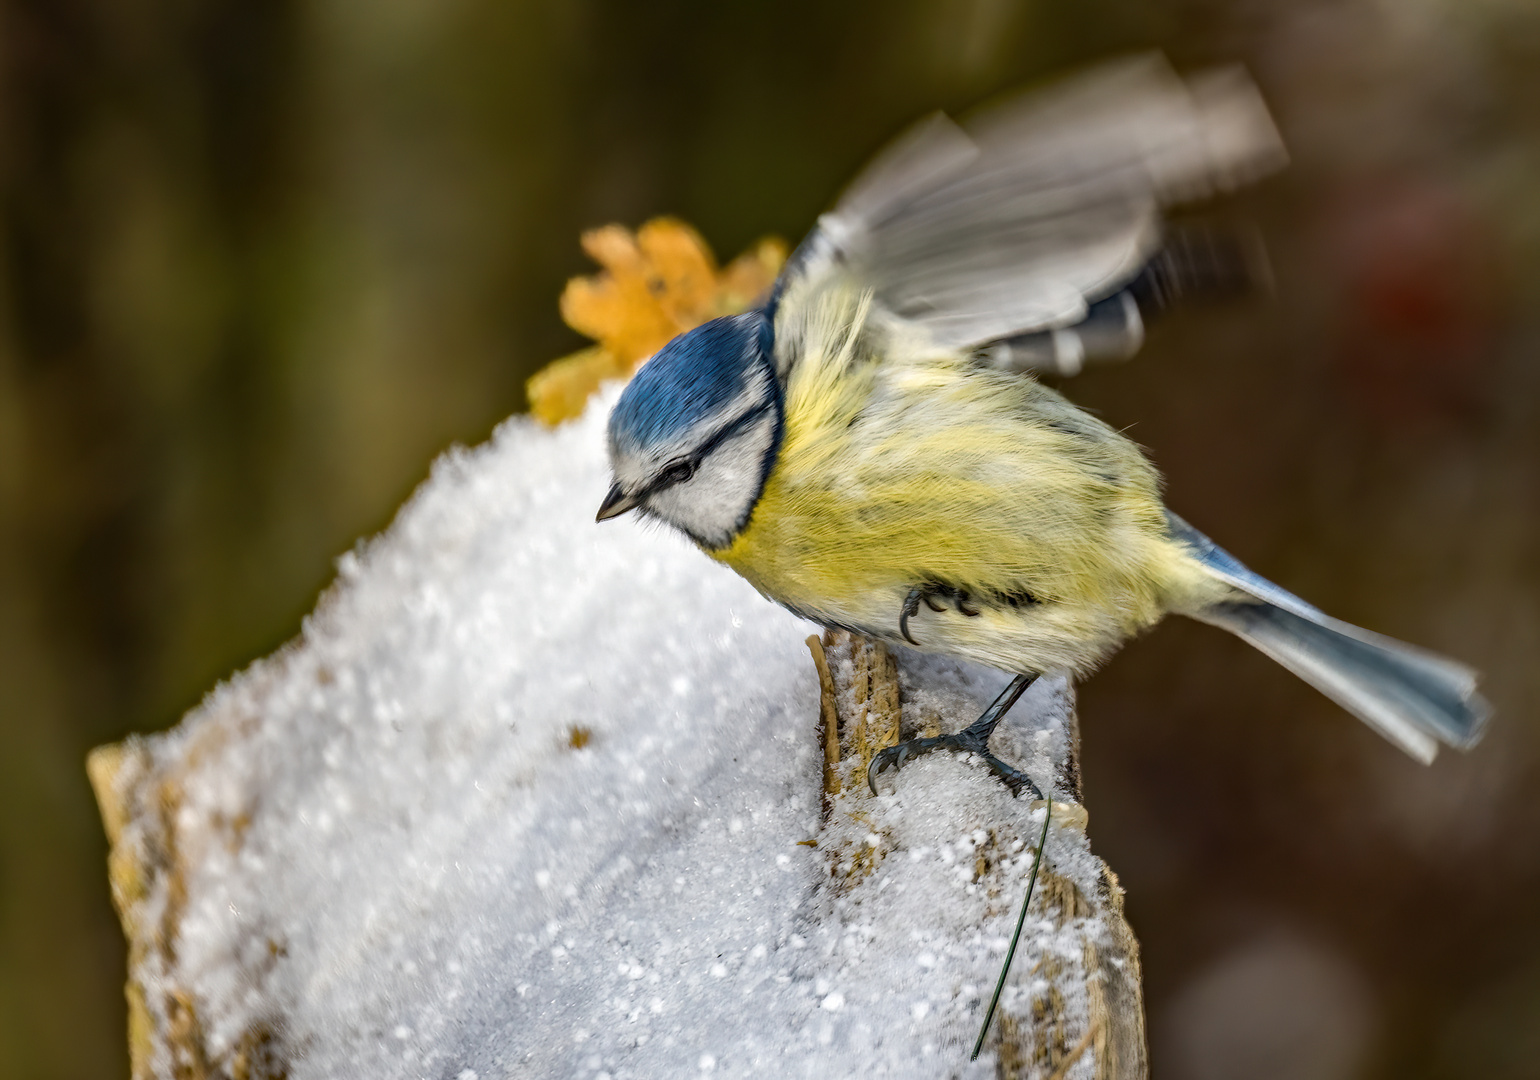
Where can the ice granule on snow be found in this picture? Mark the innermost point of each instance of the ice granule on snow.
(530, 796)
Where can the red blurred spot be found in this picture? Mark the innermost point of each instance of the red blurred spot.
(1418, 286)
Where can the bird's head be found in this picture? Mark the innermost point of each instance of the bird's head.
(694, 435)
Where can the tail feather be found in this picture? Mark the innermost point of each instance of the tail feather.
(1415, 698)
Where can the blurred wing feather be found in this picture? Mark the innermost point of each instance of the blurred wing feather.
(1037, 206)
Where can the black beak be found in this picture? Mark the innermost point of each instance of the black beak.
(617, 502)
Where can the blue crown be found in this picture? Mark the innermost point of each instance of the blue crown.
(691, 378)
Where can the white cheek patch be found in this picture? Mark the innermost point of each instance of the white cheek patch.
(713, 504)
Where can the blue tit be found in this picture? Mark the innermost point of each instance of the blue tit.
(870, 449)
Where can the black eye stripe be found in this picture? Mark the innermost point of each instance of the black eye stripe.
(677, 472)
(731, 429)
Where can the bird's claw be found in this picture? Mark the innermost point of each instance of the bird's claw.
(967, 740)
(1012, 777)
(974, 738)
(892, 755)
(911, 607)
(960, 598)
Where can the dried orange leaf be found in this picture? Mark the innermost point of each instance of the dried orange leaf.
(620, 313)
(560, 390)
(614, 248)
(655, 285)
(683, 273)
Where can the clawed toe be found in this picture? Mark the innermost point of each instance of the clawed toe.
(892, 755)
(927, 594)
(900, 755)
(974, 738)
(1012, 777)
(908, 611)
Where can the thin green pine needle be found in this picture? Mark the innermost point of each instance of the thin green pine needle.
(1016, 937)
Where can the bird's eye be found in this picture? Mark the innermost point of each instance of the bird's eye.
(677, 473)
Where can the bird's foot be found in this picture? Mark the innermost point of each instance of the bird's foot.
(898, 756)
(973, 739)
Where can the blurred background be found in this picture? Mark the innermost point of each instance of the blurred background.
(263, 259)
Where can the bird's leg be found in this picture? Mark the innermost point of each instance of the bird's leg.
(974, 738)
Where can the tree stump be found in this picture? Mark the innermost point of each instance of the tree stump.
(535, 798)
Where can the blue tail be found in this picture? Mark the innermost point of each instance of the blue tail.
(1415, 698)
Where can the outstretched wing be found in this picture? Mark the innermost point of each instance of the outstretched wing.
(1032, 210)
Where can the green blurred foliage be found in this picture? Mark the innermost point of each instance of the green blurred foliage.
(263, 260)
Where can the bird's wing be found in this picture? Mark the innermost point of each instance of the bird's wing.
(1032, 209)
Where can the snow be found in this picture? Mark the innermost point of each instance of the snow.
(533, 796)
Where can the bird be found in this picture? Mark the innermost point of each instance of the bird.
(871, 447)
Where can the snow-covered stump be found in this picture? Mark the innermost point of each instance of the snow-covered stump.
(945, 863)
(534, 797)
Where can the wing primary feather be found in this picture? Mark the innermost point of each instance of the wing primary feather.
(926, 156)
(1035, 208)
(1194, 264)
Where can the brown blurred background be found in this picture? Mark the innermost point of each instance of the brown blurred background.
(263, 259)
